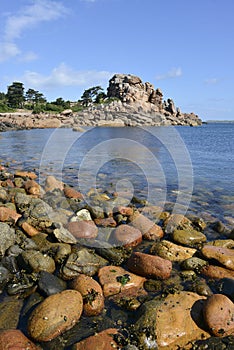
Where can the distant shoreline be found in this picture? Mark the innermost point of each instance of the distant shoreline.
(217, 121)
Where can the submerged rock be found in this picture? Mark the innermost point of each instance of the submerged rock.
(7, 237)
(149, 266)
(101, 341)
(55, 315)
(171, 323)
(218, 313)
(15, 339)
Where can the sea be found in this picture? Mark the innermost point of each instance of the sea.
(185, 169)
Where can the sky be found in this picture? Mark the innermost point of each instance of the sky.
(62, 47)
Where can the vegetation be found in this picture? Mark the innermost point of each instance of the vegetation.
(33, 100)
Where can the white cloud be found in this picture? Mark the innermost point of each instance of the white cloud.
(8, 50)
(28, 17)
(28, 57)
(172, 73)
(211, 81)
(63, 75)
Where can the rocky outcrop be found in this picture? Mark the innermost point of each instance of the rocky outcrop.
(135, 103)
(130, 102)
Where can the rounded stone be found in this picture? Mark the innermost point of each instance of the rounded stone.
(55, 315)
(92, 294)
(148, 228)
(224, 256)
(100, 341)
(72, 193)
(188, 237)
(14, 339)
(83, 229)
(127, 236)
(216, 272)
(35, 261)
(149, 266)
(50, 284)
(115, 279)
(218, 314)
(171, 251)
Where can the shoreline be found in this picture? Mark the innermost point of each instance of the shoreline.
(139, 257)
(89, 117)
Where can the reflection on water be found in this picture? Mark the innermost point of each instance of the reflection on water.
(159, 164)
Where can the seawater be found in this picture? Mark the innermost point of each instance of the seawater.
(190, 166)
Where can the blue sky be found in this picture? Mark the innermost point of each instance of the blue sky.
(63, 47)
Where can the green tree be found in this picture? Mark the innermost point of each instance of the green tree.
(15, 95)
(89, 96)
(34, 96)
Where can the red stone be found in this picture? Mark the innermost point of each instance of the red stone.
(83, 229)
(14, 339)
(149, 266)
(127, 236)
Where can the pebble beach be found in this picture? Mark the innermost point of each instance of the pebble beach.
(109, 275)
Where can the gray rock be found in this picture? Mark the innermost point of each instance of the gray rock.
(63, 235)
(82, 261)
(7, 237)
(35, 261)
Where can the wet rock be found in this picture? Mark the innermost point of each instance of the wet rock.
(225, 243)
(149, 266)
(72, 193)
(37, 211)
(171, 323)
(82, 261)
(52, 184)
(176, 221)
(106, 222)
(226, 287)
(100, 341)
(115, 255)
(50, 284)
(218, 313)
(216, 272)
(127, 236)
(188, 237)
(55, 315)
(7, 214)
(3, 195)
(32, 187)
(15, 339)
(92, 294)
(7, 237)
(213, 343)
(10, 309)
(29, 229)
(19, 182)
(201, 287)
(83, 229)
(224, 256)
(63, 235)
(125, 211)
(219, 227)
(148, 228)
(129, 299)
(115, 279)
(81, 215)
(5, 277)
(35, 261)
(25, 174)
(171, 251)
(193, 263)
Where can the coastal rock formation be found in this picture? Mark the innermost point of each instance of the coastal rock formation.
(130, 102)
(134, 103)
